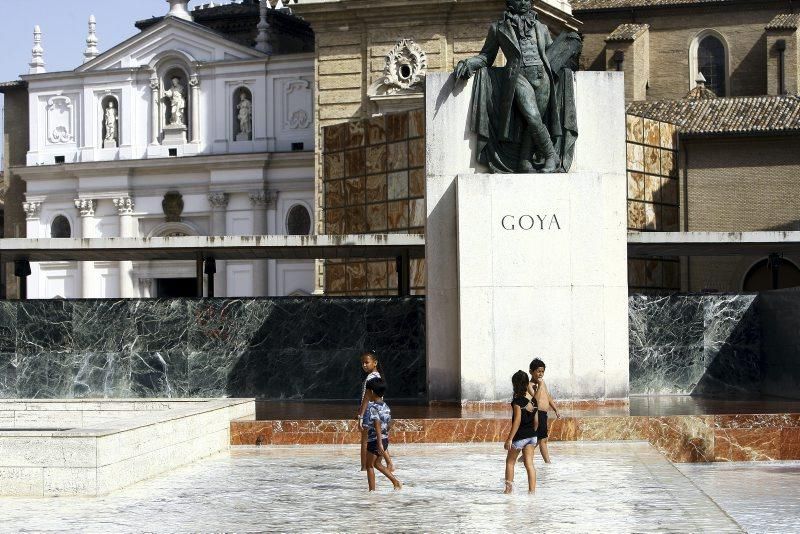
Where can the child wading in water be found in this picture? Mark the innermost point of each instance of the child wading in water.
(522, 436)
(370, 365)
(379, 417)
(539, 392)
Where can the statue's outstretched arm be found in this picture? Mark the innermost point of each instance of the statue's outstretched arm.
(485, 58)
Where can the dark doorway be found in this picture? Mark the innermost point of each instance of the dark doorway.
(765, 275)
(176, 287)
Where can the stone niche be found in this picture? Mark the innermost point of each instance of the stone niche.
(524, 266)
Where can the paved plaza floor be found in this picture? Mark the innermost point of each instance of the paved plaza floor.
(605, 486)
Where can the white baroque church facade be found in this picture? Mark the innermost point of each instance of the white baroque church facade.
(178, 130)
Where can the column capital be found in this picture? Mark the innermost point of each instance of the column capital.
(154, 82)
(194, 80)
(124, 205)
(85, 206)
(32, 210)
(263, 199)
(218, 200)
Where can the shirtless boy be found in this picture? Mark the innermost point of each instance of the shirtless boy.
(538, 390)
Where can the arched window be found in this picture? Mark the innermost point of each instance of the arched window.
(242, 114)
(708, 55)
(60, 227)
(762, 276)
(711, 62)
(298, 220)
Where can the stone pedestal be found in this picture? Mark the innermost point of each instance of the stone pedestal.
(242, 137)
(109, 143)
(174, 135)
(524, 266)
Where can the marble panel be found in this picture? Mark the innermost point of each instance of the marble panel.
(669, 218)
(652, 161)
(356, 134)
(397, 184)
(652, 132)
(668, 163)
(669, 190)
(636, 215)
(333, 166)
(397, 214)
(398, 156)
(334, 194)
(667, 137)
(355, 220)
(355, 162)
(376, 275)
(377, 190)
(416, 123)
(8, 327)
(396, 127)
(334, 137)
(376, 217)
(652, 189)
(636, 190)
(355, 191)
(376, 159)
(635, 157)
(334, 276)
(335, 221)
(634, 129)
(356, 275)
(652, 216)
(416, 210)
(416, 152)
(376, 130)
(416, 183)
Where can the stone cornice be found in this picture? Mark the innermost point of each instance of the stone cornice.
(264, 160)
(327, 15)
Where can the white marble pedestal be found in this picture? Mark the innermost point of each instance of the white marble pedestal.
(524, 266)
(174, 135)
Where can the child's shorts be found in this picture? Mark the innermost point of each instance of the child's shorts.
(541, 430)
(372, 446)
(522, 443)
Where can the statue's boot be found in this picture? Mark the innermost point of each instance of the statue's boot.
(546, 148)
(525, 152)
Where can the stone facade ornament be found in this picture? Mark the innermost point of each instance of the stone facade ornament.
(85, 206)
(60, 120)
(91, 51)
(110, 117)
(263, 40)
(177, 102)
(404, 71)
(172, 206)
(218, 199)
(245, 117)
(37, 53)
(124, 205)
(32, 210)
(263, 199)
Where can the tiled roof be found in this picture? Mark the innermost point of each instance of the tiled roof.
(627, 32)
(739, 115)
(590, 5)
(787, 21)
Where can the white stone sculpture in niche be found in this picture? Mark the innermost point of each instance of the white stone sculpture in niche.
(177, 100)
(175, 112)
(297, 105)
(110, 123)
(59, 120)
(244, 115)
(404, 71)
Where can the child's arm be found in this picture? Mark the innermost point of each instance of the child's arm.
(552, 402)
(514, 426)
(363, 407)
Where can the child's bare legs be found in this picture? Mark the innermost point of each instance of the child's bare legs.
(388, 460)
(373, 463)
(544, 451)
(364, 449)
(527, 459)
(511, 458)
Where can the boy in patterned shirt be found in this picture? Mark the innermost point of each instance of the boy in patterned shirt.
(378, 417)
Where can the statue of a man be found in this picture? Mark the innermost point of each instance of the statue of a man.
(245, 116)
(110, 120)
(177, 102)
(516, 115)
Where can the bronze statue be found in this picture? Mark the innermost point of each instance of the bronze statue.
(524, 113)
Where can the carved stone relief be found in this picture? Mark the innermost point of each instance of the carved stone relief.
(172, 206)
(297, 105)
(404, 71)
(60, 120)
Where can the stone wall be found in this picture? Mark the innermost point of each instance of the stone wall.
(303, 348)
(742, 24)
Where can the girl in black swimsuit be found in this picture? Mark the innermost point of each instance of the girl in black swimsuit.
(522, 437)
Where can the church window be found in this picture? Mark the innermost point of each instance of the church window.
(711, 62)
(60, 227)
(298, 221)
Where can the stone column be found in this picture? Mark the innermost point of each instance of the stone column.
(28, 287)
(194, 83)
(124, 206)
(261, 200)
(86, 209)
(155, 105)
(219, 205)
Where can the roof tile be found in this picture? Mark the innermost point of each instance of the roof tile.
(627, 32)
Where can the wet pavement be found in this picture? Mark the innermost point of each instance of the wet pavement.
(603, 486)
